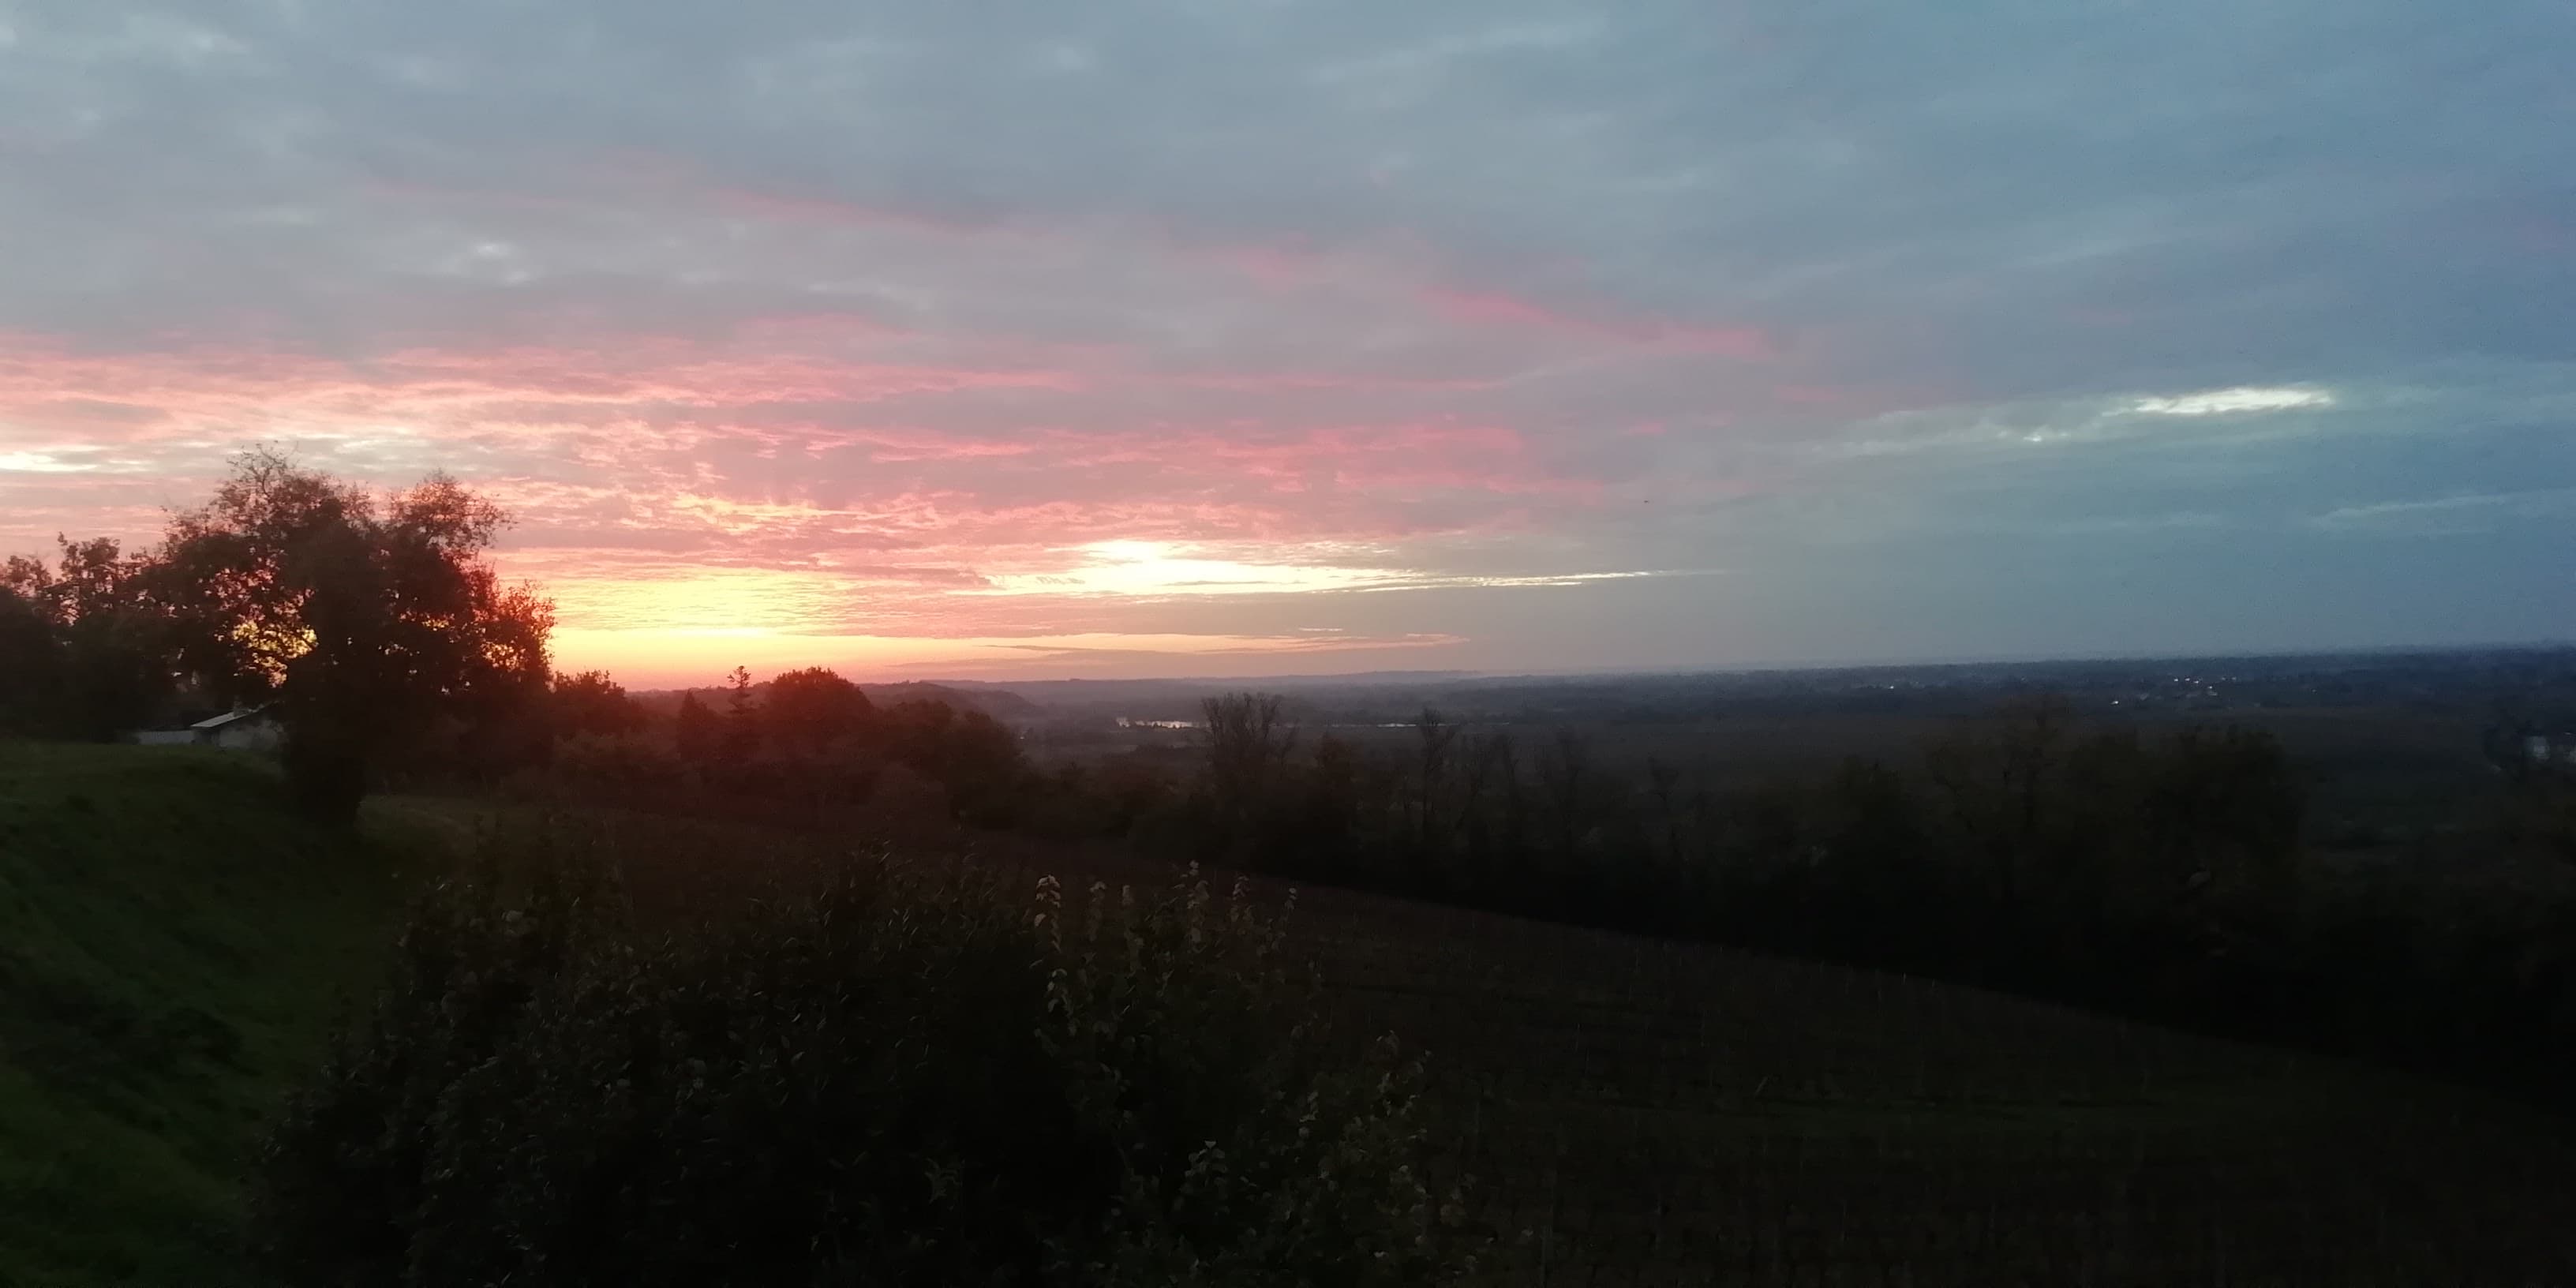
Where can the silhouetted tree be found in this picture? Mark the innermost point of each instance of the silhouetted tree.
(592, 703)
(697, 734)
(1504, 847)
(1997, 780)
(31, 666)
(1432, 739)
(1248, 740)
(741, 718)
(1329, 816)
(810, 709)
(2223, 808)
(362, 619)
(91, 654)
(1566, 787)
(975, 757)
(1663, 785)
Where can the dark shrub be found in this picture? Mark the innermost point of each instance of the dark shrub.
(906, 1076)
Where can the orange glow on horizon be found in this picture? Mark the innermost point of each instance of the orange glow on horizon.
(671, 659)
(689, 625)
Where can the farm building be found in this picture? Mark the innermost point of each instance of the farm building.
(246, 729)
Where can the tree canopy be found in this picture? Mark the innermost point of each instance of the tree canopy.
(80, 655)
(591, 702)
(808, 710)
(362, 618)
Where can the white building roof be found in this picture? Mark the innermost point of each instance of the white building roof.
(229, 717)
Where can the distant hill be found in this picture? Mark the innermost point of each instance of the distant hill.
(1001, 704)
(1051, 693)
(1179, 699)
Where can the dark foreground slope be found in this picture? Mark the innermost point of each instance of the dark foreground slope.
(1642, 1112)
(1654, 1113)
(172, 943)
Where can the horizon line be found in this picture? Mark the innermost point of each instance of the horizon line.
(1737, 669)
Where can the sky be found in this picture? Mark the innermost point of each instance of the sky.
(1273, 337)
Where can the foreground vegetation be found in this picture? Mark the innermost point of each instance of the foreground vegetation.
(2165, 877)
(883, 1074)
(2166, 874)
(859, 1070)
(1609, 1109)
(1656, 1112)
(172, 942)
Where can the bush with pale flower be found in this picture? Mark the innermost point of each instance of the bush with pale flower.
(909, 1075)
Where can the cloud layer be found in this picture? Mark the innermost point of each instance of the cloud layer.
(1156, 336)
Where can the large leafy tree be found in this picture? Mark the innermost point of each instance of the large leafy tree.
(31, 665)
(364, 619)
(80, 655)
(697, 732)
(810, 709)
(593, 703)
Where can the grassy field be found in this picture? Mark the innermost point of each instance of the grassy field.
(1655, 1113)
(1632, 1112)
(1641, 1112)
(172, 948)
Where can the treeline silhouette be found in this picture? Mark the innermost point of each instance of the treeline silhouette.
(808, 747)
(2162, 877)
(372, 624)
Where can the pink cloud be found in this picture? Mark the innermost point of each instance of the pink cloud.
(1288, 381)
(651, 408)
(856, 472)
(187, 390)
(873, 470)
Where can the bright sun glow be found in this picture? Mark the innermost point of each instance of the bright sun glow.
(648, 657)
(1161, 568)
(40, 463)
(717, 603)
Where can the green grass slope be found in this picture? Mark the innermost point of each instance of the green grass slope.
(173, 945)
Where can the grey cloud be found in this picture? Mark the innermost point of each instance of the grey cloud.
(1801, 166)
(1977, 234)
(2471, 512)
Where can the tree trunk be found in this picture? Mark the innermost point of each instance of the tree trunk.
(326, 776)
